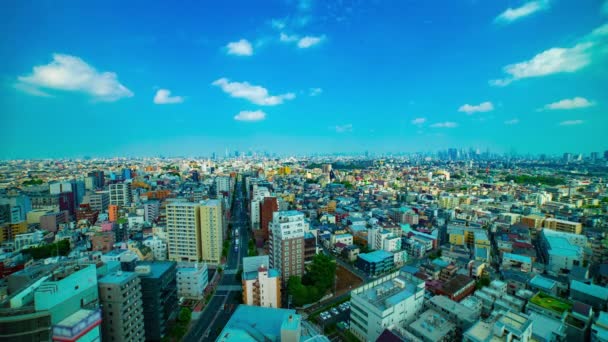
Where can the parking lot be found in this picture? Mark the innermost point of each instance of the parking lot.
(340, 313)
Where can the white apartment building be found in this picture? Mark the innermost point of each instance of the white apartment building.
(287, 243)
(158, 247)
(381, 239)
(120, 194)
(386, 302)
(561, 250)
(192, 279)
(222, 184)
(256, 200)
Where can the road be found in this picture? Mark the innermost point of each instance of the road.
(227, 296)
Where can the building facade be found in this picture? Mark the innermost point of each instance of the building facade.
(121, 301)
(286, 250)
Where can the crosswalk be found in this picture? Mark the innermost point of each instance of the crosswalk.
(231, 271)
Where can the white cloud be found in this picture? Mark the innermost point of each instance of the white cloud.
(70, 73)
(315, 91)
(480, 108)
(529, 8)
(240, 48)
(287, 38)
(247, 115)
(571, 122)
(163, 96)
(573, 103)
(418, 121)
(605, 7)
(512, 122)
(558, 59)
(309, 41)
(278, 24)
(256, 94)
(344, 128)
(447, 124)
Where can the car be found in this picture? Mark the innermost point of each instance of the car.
(335, 311)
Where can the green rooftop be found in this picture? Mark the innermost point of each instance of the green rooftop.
(551, 303)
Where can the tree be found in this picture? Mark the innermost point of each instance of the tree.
(322, 272)
(482, 282)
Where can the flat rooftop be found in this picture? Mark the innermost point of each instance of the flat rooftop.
(388, 293)
(254, 323)
(432, 325)
(119, 277)
(551, 303)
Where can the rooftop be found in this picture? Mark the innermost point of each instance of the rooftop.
(600, 292)
(246, 325)
(119, 277)
(432, 325)
(542, 282)
(388, 291)
(551, 303)
(157, 268)
(376, 256)
(544, 327)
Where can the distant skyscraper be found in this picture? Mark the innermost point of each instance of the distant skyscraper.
(567, 157)
(452, 154)
(98, 177)
(594, 156)
(126, 174)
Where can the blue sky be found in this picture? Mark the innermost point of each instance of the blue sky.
(149, 77)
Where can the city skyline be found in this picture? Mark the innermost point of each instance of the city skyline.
(301, 77)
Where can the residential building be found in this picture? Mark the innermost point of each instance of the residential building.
(262, 287)
(286, 251)
(158, 247)
(121, 300)
(594, 295)
(120, 194)
(192, 279)
(599, 330)
(183, 231)
(462, 315)
(375, 263)
(254, 323)
(159, 296)
(433, 327)
(508, 326)
(98, 201)
(563, 226)
(51, 222)
(383, 303)
(561, 250)
(211, 231)
(269, 206)
(151, 210)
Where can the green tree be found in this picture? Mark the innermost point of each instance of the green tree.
(322, 272)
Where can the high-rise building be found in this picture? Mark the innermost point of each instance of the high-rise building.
(387, 301)
(120, 194)
(211, 231)
(159, 296)
(123, 317)
(258, 195)
(287, 231)
(98, 200)
(222, 184)
(194, 231)
(269, 206)
(127, 174)
(99, 178)
(183, 231)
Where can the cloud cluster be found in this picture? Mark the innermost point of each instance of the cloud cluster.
(571, 122)
(163, 96)
(315, 91)
(480, 108)
(301, 42)
(446, 124)
(240, 48)
(558, 59)
(418, 121)
(512, 14)
(246, 115)
(573, 103)
(70, 73)
(512, 122)
(344, 128)
(253, 93)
